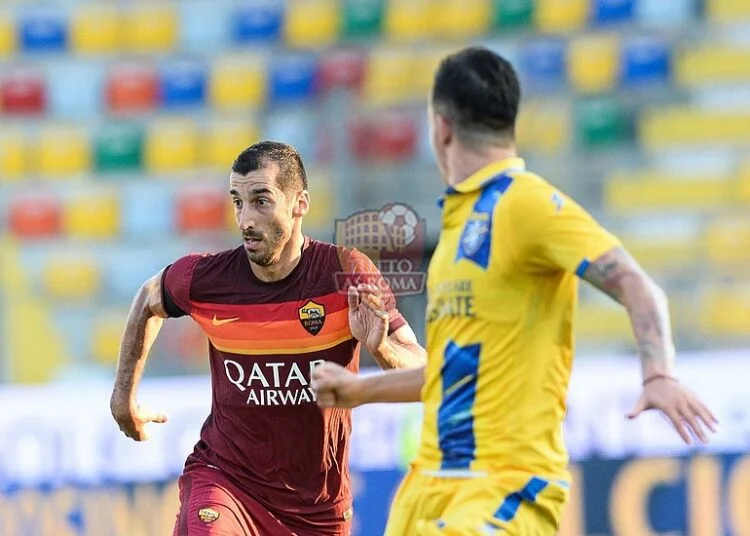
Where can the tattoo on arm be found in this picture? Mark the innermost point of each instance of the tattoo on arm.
(617, 274)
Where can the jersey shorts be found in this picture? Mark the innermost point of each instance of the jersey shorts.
(503, 504)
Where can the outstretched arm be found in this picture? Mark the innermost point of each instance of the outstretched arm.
(141, 329)
(619, 275)
(334, 386)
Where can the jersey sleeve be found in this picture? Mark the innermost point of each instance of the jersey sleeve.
(175, 286)
(363, 270)
(553, 232)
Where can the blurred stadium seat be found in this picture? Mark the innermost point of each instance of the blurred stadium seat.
(237, 82)
(183, 84)
(728, 10)
(96, 29)
(293, 78)
(171, 145)
(7, 35)
(71, 278)
(456, 20)
(409, 20)
(132, 87)
(224, 139)
(63, 150)
(713, 64)
(23, 92)
(362, 18)
(42, 30)
(312, 23)
(257, 22)
(556, 16)
(33, 217)
(13, 154)
(342, 68)
(92, 216)
(593, 63)
(106, 333)
(150, 27)
(201, 209)
(118, 147)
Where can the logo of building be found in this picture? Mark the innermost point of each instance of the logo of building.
(394, 239)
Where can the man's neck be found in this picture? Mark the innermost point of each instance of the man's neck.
(289, 259)
(466, 163)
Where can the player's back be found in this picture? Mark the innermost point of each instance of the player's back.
(501, 297)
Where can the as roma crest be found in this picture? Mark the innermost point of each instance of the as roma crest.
(312, 316)
(208, 515)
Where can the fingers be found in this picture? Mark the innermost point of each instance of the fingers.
(705, 414)
(695, 427)
(678, 424)
(158, 418)
(639, 408)
(353, 297)
(371, 299)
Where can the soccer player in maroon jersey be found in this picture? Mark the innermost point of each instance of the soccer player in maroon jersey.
(269, 461)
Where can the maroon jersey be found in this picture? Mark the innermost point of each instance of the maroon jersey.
(265, 431)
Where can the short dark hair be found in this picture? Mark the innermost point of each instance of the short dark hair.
(292, 175)
(479, 92)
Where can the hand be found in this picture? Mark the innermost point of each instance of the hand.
(367, 319)
(334, 386)
(680, 405)
(133, 418)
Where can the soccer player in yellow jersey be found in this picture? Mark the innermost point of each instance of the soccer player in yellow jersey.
(502, 289)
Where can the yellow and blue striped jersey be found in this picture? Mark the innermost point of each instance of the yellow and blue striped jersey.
(502, 289)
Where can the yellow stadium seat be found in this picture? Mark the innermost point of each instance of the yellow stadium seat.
(424, 65)
(92, 216)
(728, 241)
(389, 77)
(171, 145)
(593, 63)
(12, 155)
(71, 278)
(663, 253)
(468, 18)
(106, 334)
(7, 36)
(410, 20)
(63, 150)
(660, 128)
(238, 82)
(543, 126)
(625, 193)
(602, 321)
(322, 203)
(96, 29)
(312, 23)
(724, 311)
(561, 15)
(712, 63)
(150, 27)
(743, 184)
(727, 10)
(226, 139)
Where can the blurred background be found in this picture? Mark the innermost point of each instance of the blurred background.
(119, 122)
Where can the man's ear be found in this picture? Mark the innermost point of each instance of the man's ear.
(302, 204)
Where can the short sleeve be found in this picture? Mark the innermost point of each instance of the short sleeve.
(553, 232)
(363, 270)
(176, 281)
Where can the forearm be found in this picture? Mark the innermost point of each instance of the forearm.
(141, 330)
(394, 355)
(393, 386)
(648, 310)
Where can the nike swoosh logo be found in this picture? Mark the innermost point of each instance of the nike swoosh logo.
(217, 322)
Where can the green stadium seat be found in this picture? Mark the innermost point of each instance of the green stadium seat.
(711, 64)
(465, 19)
(601, 122)
(410, 20)
(561, 16)
(362, 18)
(118, 147)
(680, 126)
(510, 14)
(593, 65)
(312, 23)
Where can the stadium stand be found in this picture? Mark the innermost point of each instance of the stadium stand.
(119, 122)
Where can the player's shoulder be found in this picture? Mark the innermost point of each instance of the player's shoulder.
(209, 261)
(348, 258)
(532, 195)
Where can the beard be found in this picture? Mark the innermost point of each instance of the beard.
(272, 243)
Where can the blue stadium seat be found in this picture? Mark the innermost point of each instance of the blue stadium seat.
(203, 27)
(147, 211)
(258, 20)
(543, 64)
(606, 12)
(75, 88)
(674, 13)
(293, 79)
(43, 30)
(183, 83)
(296, 127)
(645, 59)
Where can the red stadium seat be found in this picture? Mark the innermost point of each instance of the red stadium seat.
(393, 137)
(202, 210)
(342, 68)
(34, 217)
(23, 92)
(132, 88)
